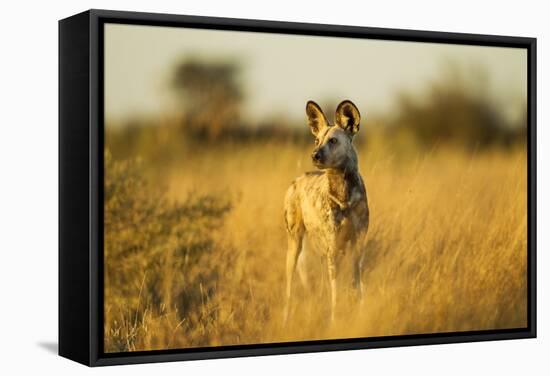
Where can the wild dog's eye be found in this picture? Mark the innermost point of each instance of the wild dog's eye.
(333, 140)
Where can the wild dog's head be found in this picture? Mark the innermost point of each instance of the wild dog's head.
(333, 143)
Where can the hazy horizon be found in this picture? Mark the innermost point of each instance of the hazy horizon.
(281, 72)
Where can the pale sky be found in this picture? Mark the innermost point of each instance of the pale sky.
(282, 72)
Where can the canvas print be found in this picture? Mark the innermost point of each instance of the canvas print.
(266, 188)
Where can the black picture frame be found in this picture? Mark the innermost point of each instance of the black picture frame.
(81, 186)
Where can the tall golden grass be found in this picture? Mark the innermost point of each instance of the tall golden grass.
(198, 258)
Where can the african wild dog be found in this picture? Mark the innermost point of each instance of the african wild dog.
(328, 205)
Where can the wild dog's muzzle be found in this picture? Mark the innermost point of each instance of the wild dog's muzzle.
(317, 156)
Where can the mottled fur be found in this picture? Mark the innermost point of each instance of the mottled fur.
(329, 205)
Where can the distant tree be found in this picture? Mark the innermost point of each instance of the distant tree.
(455, 109)
(211, 95)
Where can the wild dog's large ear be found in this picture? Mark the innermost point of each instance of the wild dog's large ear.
(348, 117)
(315, 117)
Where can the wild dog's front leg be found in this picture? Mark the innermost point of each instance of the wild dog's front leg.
(302, 267)
(295, 231)
(332, 266)
(294, 249)
(357, 269)
(359, 250)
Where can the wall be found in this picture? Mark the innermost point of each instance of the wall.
(28, 208)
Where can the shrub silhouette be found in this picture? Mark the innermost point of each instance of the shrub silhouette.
(211, 95)
(455, 110)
